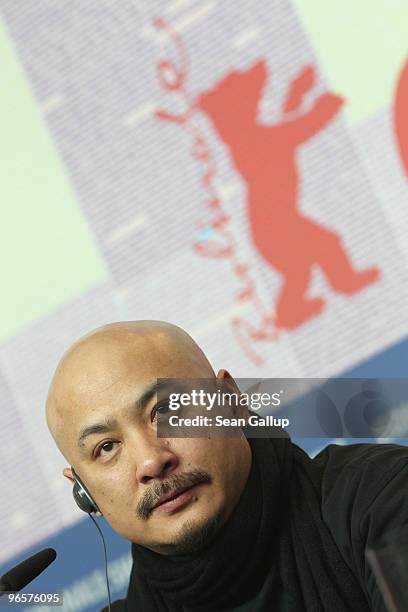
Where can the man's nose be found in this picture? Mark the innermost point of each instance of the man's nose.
(153, 458)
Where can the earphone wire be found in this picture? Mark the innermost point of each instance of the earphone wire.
(106, 559)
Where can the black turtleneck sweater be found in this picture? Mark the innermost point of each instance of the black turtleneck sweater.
(295, 541)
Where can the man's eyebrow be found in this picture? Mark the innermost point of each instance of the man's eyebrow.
(93, 429)
(139, 404)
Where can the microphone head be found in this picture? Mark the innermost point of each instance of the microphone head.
(18, 577)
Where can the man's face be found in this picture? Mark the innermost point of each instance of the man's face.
(127, 468)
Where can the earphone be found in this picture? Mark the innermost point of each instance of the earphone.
(86, 502)
(82, 496)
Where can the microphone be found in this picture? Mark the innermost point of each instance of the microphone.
(27, 570)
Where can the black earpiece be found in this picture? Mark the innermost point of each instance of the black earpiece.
(82, 496)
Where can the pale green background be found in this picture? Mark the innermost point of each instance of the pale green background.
(361, 45)
(47, 252)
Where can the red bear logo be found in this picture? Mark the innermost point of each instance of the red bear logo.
(265, 157)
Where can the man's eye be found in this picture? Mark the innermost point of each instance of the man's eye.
(106, 446)
(161, 408)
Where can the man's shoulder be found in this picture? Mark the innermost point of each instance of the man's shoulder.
(360, 457)
(359, 479)
(117, 606)
(363, 497)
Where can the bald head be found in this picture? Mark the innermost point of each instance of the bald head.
(102, 365)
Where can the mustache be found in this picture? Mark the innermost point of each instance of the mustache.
(145, 507)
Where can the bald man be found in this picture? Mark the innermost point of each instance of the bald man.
(217, 523)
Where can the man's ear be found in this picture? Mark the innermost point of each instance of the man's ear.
(224, 374)
(68, 474)
(230, 383)
(228, 379)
